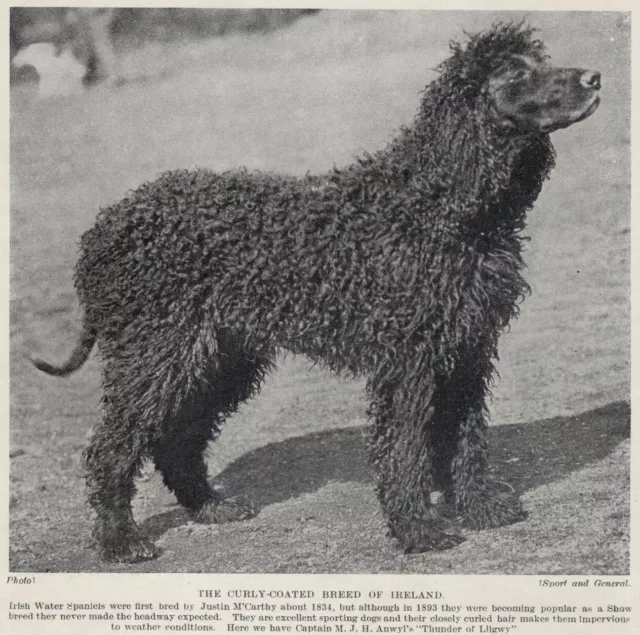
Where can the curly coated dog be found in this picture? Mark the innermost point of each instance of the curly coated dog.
(403, 267)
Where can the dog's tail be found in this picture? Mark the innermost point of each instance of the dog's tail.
(78, 357)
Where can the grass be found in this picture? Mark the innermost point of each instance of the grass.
(302, 99)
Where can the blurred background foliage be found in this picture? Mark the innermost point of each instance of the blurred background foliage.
(133, 27)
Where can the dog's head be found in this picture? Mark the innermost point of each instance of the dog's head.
(509, 68)
(531, 95)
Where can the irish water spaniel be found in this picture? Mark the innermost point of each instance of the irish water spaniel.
(403, 267)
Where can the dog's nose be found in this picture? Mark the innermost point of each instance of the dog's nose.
(590, 79)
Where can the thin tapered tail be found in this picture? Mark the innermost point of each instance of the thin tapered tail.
(78, 357)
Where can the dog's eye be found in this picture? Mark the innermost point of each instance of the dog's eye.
(519, 74)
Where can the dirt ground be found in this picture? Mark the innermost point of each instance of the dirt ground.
(303, 99)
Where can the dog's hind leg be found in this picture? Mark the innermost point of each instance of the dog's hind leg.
(166, 397)
(178, 456)
(112, 461)
(178, 453)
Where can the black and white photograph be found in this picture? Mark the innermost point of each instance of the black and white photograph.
(320, 291)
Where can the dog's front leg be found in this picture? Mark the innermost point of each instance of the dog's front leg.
(401, 453)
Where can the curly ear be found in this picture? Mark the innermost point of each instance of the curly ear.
(470, 65)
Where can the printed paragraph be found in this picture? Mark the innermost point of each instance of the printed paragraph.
(331, 612)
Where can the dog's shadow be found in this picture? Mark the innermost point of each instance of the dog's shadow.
(523, 455)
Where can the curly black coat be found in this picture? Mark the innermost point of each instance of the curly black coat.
(403, 267)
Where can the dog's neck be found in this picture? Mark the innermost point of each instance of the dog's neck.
(464, 168)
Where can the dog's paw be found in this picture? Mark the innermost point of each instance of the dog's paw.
(136, 550)
(420, 535)
(492, 508)
(227, 510)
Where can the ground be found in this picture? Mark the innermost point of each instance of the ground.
(303, 99)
